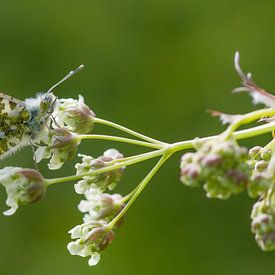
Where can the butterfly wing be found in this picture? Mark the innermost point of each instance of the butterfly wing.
(13, 130)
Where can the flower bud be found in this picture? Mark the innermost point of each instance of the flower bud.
(261, 172)
(254, 151)
(23, 186)
(261, 165)
(266, 154)
(190, 175)
(258, 184)
(74, 115)
(263, 223)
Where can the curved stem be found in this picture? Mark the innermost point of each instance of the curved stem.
(248, 118)
(127, 130)
(121, 139)
(139, 189)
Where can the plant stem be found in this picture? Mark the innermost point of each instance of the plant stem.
(172, 148)
(139, 189)
(121, 139)
(131, 161)
(248, 118)
(127, 130)
(247, 133)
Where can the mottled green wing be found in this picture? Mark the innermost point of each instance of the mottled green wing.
(13, 115)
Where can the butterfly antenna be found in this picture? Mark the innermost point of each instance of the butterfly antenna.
(69, 75)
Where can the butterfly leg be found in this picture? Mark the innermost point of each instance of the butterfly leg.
(34, 157)
(55, 122)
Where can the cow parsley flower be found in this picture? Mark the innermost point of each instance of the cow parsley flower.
(60, 147)
(99, 205)
(103, 180)
(23, 186)
(74, 115)
(91, 239)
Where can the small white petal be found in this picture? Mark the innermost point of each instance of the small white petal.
(74, 247)
(95, 258)
(10, 211)
(76, 232)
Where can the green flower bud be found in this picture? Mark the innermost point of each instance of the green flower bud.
(254, 151)
(266, 154)
(258, 184)
(263, 223)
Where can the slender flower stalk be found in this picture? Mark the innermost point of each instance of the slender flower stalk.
(126, 130)
(139, 189)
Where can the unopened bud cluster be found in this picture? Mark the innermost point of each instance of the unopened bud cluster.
(263, 223)
(261, 176)
(220, 166)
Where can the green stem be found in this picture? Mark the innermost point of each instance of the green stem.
(131, 161)
(243, 134)
(178, 146)
(121, 139)
(248, 118)
(139, 189)
(127, 130)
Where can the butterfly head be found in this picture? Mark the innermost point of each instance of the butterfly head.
(48, 100)
(47, 103)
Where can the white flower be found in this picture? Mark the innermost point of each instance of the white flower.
(91, 239)
(60, 147)
(100, 205)
(95, 258)
(74, 115)
(22, 186)
(101, 180)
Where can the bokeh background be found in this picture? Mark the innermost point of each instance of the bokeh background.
(154, 66)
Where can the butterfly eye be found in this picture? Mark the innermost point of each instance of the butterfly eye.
(25, 115)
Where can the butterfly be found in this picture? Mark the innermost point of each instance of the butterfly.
(22, 122)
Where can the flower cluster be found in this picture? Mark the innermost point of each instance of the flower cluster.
(219, 165)
(99, 208)
(74, 115)
(263, 223)
(61, 146)
(261, 175)
(91, 239)
(23, 186)
(102, 180)
(70, 118)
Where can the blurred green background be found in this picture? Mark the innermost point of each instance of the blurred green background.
(155, 66)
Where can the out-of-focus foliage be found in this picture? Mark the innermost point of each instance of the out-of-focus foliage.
(154, 66)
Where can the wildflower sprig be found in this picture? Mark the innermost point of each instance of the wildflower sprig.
(216, 163)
